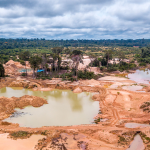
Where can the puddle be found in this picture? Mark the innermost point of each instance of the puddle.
(19, 144)
(24, 70)
(133, 88)
(137, 144)
(136, 125)
(140, 76)
(64, 108)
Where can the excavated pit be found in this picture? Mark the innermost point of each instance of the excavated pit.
(64, 108)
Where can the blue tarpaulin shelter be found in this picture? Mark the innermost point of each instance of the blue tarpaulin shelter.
(41, 70)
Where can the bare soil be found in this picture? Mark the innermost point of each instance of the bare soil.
(117, 107)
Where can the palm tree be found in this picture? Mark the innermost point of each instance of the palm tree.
(25, 56)
(77, 58)
(108, 55)
(92, 58)
(35, 62)
(44, 62)
(56, 51)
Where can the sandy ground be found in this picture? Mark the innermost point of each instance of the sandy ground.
(117, 107)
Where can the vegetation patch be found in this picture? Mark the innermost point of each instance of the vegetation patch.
(145, 106)
(145, 139)
(20, 135)
(44, 132)
(126, 138)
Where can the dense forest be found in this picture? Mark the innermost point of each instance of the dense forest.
(11, 48)
(44, 52)
(34, 43)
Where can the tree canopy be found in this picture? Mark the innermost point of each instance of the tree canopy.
(2, 71)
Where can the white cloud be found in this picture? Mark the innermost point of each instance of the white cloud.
(64, 19)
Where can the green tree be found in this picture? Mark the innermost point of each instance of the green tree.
(35, 62)
(25, 57)
(121, 55)
(2, 71)
(44, 62)
(108, 55)
(56, 51)
(92, 58)
(77, 58)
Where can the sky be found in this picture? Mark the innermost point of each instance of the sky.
(75, 19)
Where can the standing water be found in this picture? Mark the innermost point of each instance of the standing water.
(137, 144)
(140, 76)
(64, 108)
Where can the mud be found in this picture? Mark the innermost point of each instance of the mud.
(118, 107)
(8, 105)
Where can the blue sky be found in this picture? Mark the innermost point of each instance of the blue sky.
(75, 19)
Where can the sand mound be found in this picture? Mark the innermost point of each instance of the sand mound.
(77, 90)
(7, 105)
(90, 82)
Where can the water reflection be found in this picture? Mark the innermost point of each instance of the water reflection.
(3, 90)
(140, 76)
(137, 144)
(64, 108)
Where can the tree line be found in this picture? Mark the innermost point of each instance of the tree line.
(40, 43)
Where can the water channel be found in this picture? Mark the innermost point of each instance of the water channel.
(64, 108)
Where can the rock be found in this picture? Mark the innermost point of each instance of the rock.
(77, 90)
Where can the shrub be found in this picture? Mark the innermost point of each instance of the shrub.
(102, 68)
(71, 79)
(56, 76)
(98, 76)
(125, 66)
(142, 64)
(23, 74)
(49, 78)
(85, 75)
(20, 134)
(112, 68)
(43, 78)
(7, 75)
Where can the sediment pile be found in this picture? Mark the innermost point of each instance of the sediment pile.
(8, 105)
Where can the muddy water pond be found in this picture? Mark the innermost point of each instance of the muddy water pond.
(137, 144)
(133, 88)
(64, 108)
(140, 76)
(136, 125)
